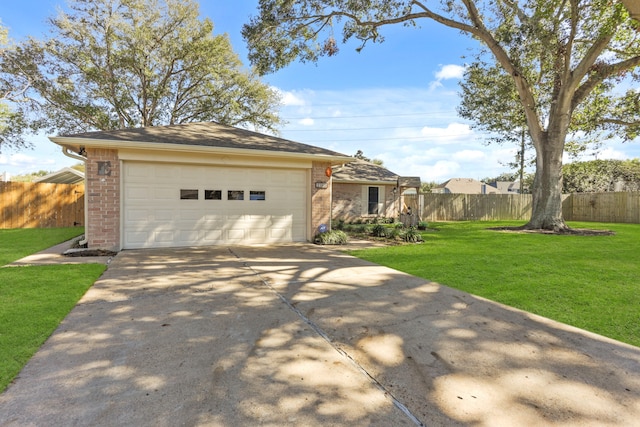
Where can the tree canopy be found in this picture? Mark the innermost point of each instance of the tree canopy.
(601, 176)
(558, 54)
(109, 64)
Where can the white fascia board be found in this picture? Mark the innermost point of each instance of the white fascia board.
(75, 143)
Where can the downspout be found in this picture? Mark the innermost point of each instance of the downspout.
(72, 155)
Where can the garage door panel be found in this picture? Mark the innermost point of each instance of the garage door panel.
(189, 214)
(137, 215)
(138, 192)
(163, 237)
(163, 193)
(164, 215)
(154, 214)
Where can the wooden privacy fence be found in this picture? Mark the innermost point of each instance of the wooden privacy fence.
(41, 205)
(603, 207)
(597, 207)
(480, 207)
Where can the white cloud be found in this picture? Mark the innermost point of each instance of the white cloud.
(306, 122)
(292, 99)
(441, 171)
(611, 153)
(453, 132)
(469, 156)
(450, 71)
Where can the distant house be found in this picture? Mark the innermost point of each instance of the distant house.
(364, 190)
(465, 186)
(507, 187)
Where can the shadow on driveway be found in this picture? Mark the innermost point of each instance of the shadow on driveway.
(304, 335)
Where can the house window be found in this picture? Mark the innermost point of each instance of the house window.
(235, 195)
(213, 194)
(374, 198)
(257, 195)
(189, 194)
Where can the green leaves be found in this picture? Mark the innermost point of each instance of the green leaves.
(111, 64)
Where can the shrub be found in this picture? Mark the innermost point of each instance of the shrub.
(333, 237)
(338, 225)
(361, 229)
(392, 233)
(422, 225)
(379, 230)
(398, 225)
(411, 235)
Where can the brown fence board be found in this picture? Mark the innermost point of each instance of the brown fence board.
(623, 207)
(482, 207)
(605, 207)
(41, 205)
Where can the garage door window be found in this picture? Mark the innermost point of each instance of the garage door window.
(213, 194)
(235, 195)
(257, 195)
(188, 194)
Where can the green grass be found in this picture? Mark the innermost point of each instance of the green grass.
(34, 300)
(17, 243)
(592, 282)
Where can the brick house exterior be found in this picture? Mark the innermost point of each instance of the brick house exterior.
(364, 191)
(285, 187)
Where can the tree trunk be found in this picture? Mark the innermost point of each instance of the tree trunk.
(547, 186)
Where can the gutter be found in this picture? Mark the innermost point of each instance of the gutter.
(75, 156)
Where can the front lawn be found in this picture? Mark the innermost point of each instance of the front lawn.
(16, 243)
(34, 300)
(592, 282)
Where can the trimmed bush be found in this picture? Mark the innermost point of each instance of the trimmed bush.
(411, 235)
(333, 237)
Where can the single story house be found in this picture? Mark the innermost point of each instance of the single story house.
(465, 186)
(364, 190)
(200, 184)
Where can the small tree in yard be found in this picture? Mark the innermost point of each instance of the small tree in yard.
(559, 56)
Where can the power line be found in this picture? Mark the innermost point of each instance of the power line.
(351, 129)
(386, 139)
(360, 117)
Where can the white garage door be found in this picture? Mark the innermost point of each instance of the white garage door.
(168, 205)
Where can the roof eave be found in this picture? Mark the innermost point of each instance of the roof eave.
(75, 144)
(363, 181)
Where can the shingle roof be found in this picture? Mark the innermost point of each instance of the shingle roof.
(467, 186)
(208, 134)
(362, 171)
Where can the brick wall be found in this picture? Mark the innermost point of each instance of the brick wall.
(320, 197)
(103, 192)
(347, 202)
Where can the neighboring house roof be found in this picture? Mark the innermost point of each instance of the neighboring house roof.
(209, 136)
(465, 186)
(63, 176)
(360, 171)
(506, 187)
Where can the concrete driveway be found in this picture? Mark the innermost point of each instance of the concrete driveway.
(306, 335)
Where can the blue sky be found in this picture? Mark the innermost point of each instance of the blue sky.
(395, 101)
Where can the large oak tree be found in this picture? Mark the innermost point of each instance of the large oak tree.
(558, 54)
(109, 64)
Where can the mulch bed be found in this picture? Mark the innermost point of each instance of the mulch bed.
(90, 252)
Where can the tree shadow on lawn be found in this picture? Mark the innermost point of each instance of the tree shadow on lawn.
(208, 336)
